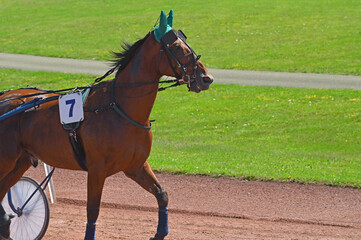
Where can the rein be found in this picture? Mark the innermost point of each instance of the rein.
(176, 81)
(37, 101)
(112, 105)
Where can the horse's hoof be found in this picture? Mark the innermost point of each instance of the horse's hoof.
(5, 226)
(157, 238)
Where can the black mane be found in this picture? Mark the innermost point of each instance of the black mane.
(123, 58)
(2, 92)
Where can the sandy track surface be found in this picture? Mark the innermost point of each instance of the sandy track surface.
(206, 208)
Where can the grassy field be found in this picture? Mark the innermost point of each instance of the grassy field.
(304, 135)
(267, 133)
(296, 36)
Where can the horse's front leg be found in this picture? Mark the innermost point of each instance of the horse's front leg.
(96, 180)
(146, 178)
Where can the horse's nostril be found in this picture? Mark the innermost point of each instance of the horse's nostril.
(206, 79)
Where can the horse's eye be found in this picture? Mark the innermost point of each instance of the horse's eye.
(177, 48)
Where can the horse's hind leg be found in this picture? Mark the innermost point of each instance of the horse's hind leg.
(5, 221)
(22, 164)
(146, 178)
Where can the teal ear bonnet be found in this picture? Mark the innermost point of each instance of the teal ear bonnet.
(165, 25)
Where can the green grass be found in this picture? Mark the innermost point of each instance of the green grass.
(14, 79)
(303, 135)
(296, 36)
(267, 133)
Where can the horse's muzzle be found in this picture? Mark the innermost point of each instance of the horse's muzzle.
(201, 83)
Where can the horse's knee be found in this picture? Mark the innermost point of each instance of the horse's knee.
(162, 197)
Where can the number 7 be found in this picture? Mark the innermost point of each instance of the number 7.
(72, 103)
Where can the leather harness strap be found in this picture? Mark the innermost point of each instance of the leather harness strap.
(75, 140)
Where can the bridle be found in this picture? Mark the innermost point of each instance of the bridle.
(166, 41)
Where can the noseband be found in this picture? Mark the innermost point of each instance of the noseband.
(166, 41)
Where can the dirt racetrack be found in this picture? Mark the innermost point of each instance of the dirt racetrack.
(205, 208)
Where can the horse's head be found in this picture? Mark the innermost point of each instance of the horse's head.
(180, 60)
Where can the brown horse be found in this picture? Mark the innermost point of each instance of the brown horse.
(111, 142)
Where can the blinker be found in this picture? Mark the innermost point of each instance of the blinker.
(170, 37)
(182, 35)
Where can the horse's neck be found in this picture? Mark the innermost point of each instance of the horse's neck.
(137, 101)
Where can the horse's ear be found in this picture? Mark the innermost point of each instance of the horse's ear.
(162, 23)
(170, 18)
(165, 25)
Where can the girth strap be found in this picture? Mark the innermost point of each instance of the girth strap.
(77, 146)
(75, 140)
